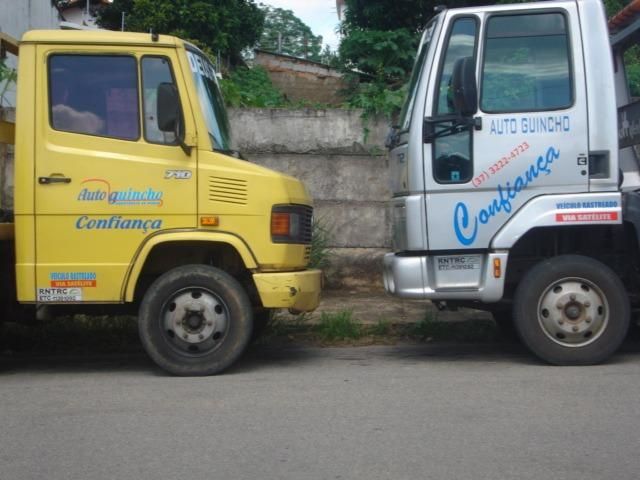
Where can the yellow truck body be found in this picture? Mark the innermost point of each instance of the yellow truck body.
(107, 201)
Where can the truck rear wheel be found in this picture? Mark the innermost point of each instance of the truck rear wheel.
(195, 320)
(571, 310)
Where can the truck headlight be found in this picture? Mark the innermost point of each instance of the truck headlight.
(291, 224)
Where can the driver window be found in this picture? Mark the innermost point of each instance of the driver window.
(155, 71)
(452, 161)
(94, 95)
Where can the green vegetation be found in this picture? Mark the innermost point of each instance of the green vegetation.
(338, 326)
(226, 27)
(90, 335)
(285, 33)
(376, 99)
(376, 53)
(381, 328)
(250, 87)
(320, 254)
(8, 76)
(380, 40)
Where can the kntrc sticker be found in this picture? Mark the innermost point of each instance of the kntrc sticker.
(458, 262)
(59, 295)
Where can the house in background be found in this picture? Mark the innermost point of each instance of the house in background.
(302, 80)
(16, 17)
(80, 12)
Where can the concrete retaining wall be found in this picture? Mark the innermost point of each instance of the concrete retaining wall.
(346, 176)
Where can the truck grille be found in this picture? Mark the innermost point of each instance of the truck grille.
(306, 224)
(228, 190)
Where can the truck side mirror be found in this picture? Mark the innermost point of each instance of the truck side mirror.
(463, 84)
(168, 107)
(168, 110)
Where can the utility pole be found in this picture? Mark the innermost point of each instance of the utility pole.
(280, 43)
(122, 22)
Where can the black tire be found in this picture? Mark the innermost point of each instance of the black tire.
(571, 310)
(195, 320)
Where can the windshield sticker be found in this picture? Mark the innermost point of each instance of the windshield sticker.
(590, 204)
(73, 279)
(530, 125)
(117, 222)
(500, 164)
(59, 295)
(466, 227)
(129, 196)
(201, 66)
(587, 217)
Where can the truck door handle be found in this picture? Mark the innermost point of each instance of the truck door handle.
(54, 178)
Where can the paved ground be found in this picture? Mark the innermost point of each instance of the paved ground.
(404, 412)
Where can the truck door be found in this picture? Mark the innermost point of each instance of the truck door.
(529, 135)
(105, 175)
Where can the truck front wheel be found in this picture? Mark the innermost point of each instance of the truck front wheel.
(195, 320)
(571, 310)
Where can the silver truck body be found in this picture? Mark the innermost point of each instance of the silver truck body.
(462, 201)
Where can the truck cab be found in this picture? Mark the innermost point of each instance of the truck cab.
(508, 193)
(127, 192)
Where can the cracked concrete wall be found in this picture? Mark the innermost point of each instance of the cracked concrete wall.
(346, 175)
(306, 131)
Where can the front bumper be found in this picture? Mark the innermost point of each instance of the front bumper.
(460, 276)
(294, 290)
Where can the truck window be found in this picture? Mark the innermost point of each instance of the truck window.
(452, 160)
(94, 95)
(211, 101)
(155, 70)
(526, 64)
(462, 43)
(416, 74)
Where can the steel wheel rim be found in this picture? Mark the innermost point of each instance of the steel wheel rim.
(194, 321)
(573, 312)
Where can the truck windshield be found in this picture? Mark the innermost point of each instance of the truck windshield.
(407, 109)
(211, 102)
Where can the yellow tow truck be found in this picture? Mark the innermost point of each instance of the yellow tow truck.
(127, 193)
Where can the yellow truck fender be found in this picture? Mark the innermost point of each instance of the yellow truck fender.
(145, 249)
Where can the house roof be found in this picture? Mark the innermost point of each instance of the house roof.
(66, 4)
